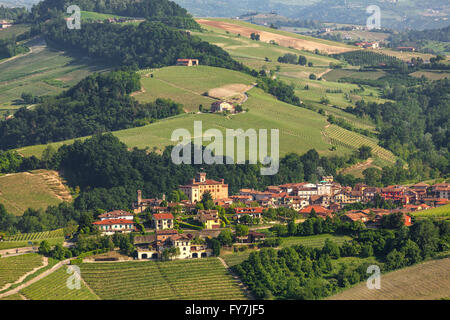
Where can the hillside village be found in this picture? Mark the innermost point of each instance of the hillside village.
(325, 199)
(89, 184)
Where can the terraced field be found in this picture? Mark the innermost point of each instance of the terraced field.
(342, 137)
(12, 268)
(202, 279)
(54, 287)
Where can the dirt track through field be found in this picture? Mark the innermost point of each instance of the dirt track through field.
(282, 40)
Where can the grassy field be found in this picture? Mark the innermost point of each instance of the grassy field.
(202, 279)
(337, 74)
(21, 244)
(36, 190)
(300, 129)
(54, 287)
(43, 71)
(425, 281)
(12, 268)
(261, 55)
(432, 75)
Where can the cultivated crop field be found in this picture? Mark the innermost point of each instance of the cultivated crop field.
(54, 287)
(43, 71)
(4, 245)
(36, 235)
(283, 38)
(344, 137)
(440, 212)
(202, 279)
(12, 268)
(316, 241)
(425, 281)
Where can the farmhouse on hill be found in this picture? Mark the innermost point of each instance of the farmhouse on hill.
(221, 106)
(187, 62)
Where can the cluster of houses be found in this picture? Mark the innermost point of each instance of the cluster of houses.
(368, 45)
(323, 198)
(4, 24)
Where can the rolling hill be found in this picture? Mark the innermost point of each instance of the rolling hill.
(300, 129)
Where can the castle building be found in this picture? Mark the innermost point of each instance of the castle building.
(195, 190)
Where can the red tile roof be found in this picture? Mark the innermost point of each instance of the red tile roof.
(160, 216)
(318, 209)
(113, 222)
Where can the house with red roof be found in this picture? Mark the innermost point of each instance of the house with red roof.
(320, 211)
(162, 221)
(116, 214)
(254, 212)
(111, 226)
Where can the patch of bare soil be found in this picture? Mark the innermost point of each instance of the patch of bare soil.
(55, 183)
(234, 93)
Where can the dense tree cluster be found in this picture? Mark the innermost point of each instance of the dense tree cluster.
(100, 102)
(165, 11)
(281, 90)
(415, 126)
(11, 13)
(154, 44)
(10, 48)
(293, 59)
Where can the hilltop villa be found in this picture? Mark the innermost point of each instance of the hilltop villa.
(195, 190)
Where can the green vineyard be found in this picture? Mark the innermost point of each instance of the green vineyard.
(342, 137)
(36, 235)
(12, 268)
(201, 279)
(54, 287)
